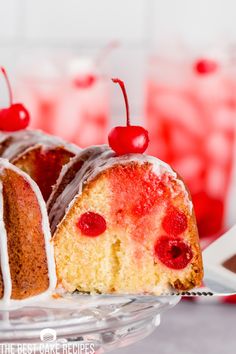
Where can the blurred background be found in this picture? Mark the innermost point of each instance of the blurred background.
(178, 63)
(178, 60)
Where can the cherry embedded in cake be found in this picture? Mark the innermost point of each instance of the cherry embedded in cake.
(91, 224)
(123, 224)
(175, 222)
(173, 252)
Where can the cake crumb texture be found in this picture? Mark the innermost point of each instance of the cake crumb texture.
(133, 200)
(25, 239)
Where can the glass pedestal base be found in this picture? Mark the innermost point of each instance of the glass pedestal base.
(101, 323)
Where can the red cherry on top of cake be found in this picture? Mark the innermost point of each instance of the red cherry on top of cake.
(129, 139)
(16, 116)
(205, 66)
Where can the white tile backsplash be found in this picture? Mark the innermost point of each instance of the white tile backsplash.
(55, 28)
(85, 26)
(79, 20)
(134, 21)
(130, 65)
(198, 23)
(9, 19)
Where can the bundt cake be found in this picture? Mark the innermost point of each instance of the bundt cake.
(123, 224)
(38, 154)
(26, 254)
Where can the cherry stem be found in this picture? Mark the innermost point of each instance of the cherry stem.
(8, 85)
(105, 51)
(122, 86)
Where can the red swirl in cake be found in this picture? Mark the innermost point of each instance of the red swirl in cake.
(38, 154)
(123, 225)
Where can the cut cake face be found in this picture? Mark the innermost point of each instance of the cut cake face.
(123, 225)
(27, 261)
(40, 155)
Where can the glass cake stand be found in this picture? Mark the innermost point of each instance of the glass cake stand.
(105, 322)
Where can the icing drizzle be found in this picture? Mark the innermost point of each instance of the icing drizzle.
(6, 301)
(5, 267)
(99, 159)
(22, 140)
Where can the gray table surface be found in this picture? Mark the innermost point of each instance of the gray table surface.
(191, 328)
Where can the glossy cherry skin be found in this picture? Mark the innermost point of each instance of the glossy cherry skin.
(205, 66)
(91, 224)
(16, 117)
(128, 140)
(173, 252)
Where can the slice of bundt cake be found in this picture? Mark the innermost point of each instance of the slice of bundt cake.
(26, 255)
(123, 224)
(38, 154)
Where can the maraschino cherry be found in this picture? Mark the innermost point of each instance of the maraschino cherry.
(175, 222)
(16, 116)
(129, 139)
(173, 252)
(205, 66)
(92, 224)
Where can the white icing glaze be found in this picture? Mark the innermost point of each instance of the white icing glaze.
(5, 268)
(6, 301)
(23, 140)
(101, 158)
